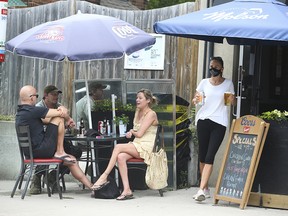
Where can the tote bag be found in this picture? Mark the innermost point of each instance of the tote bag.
(157, 170)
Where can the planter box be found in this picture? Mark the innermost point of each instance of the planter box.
(272, 176)
(9, 151)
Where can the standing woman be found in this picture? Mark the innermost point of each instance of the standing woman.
(211, 120)
(144, 130)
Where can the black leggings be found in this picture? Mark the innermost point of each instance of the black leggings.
(210, 137)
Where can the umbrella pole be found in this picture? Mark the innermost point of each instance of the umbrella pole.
(113, 97)
(88, 103)
(90, 127)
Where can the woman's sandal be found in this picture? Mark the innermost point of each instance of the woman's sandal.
(125, 197)
(98, 187)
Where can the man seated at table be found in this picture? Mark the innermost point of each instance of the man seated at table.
(50, 100)
(95, 94)
(49, 143)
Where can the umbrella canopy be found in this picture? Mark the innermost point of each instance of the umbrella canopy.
(80, 37)
(241, 22)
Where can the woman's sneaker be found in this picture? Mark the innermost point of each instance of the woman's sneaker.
(206, 193)
(200, 196)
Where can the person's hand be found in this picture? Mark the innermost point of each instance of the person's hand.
(196, 98)
(129, 134)
(232, 99)
(70, 123)
(63, 110)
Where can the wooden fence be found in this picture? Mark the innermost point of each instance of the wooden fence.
(181, 54)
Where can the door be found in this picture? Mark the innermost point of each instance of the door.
(265, 79)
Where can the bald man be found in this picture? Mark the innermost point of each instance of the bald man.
(50, 143)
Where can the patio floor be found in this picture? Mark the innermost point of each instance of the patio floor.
(78, 202)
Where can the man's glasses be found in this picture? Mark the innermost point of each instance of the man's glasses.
(36, 95)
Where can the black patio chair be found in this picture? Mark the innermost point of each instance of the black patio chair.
(28, 163)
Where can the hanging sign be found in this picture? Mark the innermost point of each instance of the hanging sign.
(149, 58)
(3, 25)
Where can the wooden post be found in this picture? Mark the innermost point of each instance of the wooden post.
(67, 85)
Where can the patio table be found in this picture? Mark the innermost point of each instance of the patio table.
(92, 146)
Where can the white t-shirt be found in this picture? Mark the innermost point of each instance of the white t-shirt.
(214, 108)
(82, 110)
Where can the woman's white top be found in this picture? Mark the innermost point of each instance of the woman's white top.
(214, 108)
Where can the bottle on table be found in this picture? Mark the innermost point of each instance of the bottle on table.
(104, 127)
(100, 124)
(101, 128)
(81, 127)
(108, 128)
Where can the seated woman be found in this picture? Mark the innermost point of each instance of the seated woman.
(144, 130)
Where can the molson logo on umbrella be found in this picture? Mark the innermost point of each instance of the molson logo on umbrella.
(52, 34)
(236, 13)
(241, 22)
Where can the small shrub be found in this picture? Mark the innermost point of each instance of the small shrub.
(7, 117)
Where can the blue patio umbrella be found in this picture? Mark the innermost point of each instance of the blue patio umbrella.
(80, 37)
(241, 22)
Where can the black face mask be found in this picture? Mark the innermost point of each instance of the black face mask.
(214, 72)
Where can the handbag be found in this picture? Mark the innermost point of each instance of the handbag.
(92, 133)
(74, 150)
(109, 191)
(157, 170)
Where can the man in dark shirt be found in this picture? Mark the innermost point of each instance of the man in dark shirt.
(49, 143)
(50, 100)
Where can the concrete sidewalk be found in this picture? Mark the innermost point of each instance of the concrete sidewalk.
(146, 202)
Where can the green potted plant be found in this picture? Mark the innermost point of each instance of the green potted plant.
(102, 105)
(278, 120)
(106, 105)
(124, 119)
(102, 109)
(275, 115)
(7, 117)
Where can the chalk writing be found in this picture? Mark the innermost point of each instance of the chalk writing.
(237, 165)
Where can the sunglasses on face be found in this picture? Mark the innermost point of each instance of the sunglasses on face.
(36, 95)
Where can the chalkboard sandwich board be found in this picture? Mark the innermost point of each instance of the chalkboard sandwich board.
(246, 139)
